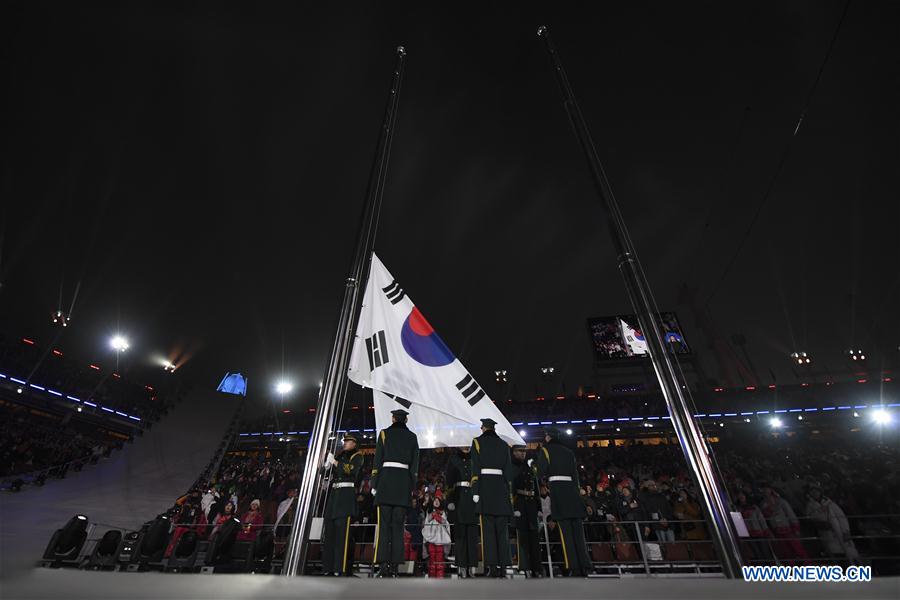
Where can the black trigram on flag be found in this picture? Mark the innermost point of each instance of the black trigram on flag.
(376, 347)
(401, 401)
(470, 390)
(394, 292)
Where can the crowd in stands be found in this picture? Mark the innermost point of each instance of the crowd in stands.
(32, 440)
(795, 498)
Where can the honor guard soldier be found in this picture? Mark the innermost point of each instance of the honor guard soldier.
(462, 510)
(557, 464)
(340, 508)
(491, 472)
(394, 476)
(526, 505)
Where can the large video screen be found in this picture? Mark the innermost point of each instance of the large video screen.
(620, 336)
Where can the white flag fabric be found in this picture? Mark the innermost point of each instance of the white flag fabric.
(433, 427)
(637, 344)
(399, 355)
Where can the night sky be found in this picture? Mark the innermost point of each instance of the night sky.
(200, 171)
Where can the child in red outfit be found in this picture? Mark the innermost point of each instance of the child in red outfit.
(436, 533)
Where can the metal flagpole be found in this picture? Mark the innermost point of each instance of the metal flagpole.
(673, 387)
(334, 385)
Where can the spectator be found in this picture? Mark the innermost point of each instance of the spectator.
(436, 533)
(251, 523)
(227, 513)
(831, 525)
(784, 524)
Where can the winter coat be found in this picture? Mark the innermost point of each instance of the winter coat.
(436, 529)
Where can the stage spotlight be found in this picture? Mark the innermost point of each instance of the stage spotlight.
(284, 387)
(522, 432)
(154, 542)
(119, 343)
(568, 432)
(856, 355)
(500, 376)
(67, 542)
(775, 422)
(220, 546)
(60, 318)
(168, 367)
(18, 390)
(882, 417)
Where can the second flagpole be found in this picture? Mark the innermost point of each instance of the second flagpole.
(672, 385)
(334, 385)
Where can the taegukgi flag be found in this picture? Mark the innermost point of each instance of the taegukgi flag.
(635, 340)
(399, 355)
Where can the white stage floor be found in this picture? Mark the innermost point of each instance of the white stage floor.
(75, 585)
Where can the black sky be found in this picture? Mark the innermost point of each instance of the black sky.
(199, 169)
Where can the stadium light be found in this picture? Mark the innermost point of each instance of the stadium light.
(119, 343)
(775, 422)
(856, 355)
(568, 432)
(522, 432)
(284, 387)
(801, 358)
(882, 417)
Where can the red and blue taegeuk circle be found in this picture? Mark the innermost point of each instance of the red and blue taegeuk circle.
(422, 343)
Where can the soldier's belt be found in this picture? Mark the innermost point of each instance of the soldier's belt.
(560, 478)
(343, 484)
(528, 493)
(463, 484)
(394, 465)
(492, 471)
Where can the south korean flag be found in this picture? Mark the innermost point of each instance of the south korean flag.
(399, 355)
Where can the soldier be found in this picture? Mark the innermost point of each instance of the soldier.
(462, 509)
(526, 506)
(557, 464)
(394, 475)
(491, 473)
(340, 508)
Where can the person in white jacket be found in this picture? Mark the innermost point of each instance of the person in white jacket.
(436, 533)
(832, 525)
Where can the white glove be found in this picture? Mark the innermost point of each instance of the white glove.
(517, 514)
(373, 491)
(476, 498)
(329, 460)
(530, 461)
(451, 506)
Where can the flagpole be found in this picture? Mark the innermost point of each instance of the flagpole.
(334, 385)
(672, 384)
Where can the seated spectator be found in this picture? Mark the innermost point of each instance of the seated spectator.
(227, 513)
(784, 524)
(251, 523)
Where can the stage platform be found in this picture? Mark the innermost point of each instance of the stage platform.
(75, 585)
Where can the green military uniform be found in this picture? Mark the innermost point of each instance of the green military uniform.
(394, 475)
(557, 464)
(491, 473)
(526, 505)
(340, 508)
(463, 517)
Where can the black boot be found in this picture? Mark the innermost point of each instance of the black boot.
(501, 573)
(537, 575)
(395, 570)
(462, 572)
(490, 572)
(384, 570)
